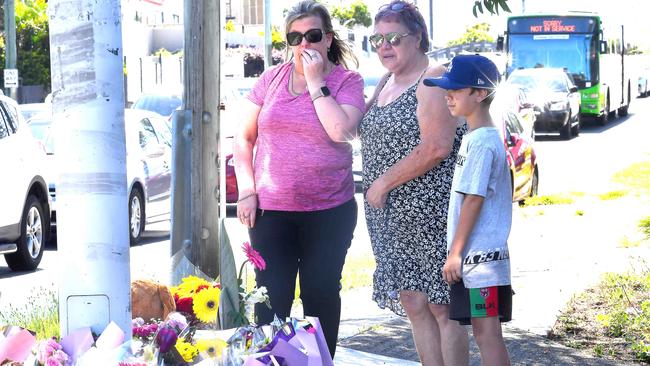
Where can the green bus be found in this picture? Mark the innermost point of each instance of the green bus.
(578, 44)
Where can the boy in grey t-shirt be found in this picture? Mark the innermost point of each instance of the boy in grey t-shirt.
(480, 209)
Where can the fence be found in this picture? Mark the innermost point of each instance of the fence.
(148, 73)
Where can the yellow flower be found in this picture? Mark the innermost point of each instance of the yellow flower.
(206, 304)
(188, 286)
(186, 350)
(211, 347)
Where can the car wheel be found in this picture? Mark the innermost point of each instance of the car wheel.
(33, 234)
(136, 216)
(534, 185)
(565, 132)
(576, 128)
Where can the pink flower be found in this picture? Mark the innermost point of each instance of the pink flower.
(254, 256)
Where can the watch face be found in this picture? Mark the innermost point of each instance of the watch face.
(325, 90)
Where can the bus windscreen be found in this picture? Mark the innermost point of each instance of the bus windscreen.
(574, 52)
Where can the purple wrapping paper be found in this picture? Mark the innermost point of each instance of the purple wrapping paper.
(320, 340)
(302, 346)
(77, 343)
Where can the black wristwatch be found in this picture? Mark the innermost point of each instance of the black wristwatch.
(323, 91)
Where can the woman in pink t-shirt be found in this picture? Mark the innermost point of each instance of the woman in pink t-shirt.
(296, 192)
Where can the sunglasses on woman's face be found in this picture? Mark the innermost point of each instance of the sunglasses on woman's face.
(393, 38)
(312, 36)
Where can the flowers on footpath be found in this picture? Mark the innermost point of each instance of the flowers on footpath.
(198, 299)
(205, 304)
(253, 256)
(50, 353)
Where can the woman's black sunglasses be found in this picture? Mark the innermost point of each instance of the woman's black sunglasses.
(312, 36)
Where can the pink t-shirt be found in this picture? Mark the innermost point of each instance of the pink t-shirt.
(297, 166)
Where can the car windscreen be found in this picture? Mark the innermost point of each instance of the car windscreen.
(164, 105)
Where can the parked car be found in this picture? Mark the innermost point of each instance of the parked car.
(555, 98)
(513, 97)
(522, 160)
(148, 168)
(162, 102)
(25, 212)
(30, 109)
(644, 82)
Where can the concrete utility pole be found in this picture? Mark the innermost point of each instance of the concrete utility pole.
(90, 144)
(201, 240)
(10, 39)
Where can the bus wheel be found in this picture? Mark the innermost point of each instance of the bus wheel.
(602, 119)
(622, 112)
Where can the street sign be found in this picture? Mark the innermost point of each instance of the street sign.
(11, 78)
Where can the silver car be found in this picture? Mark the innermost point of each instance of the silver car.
(148, 167)
(25, 212)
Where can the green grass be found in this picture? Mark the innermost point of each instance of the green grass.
(556, 199)
(358, 271)
(40, 314)
(611, 319)
(580, 213)
(627, 297)
(636, 177)
(612, 195)
(644, 225)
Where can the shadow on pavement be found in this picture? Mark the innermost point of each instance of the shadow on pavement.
(393, 339)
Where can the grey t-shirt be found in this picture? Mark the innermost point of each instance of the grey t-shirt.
(482, 169)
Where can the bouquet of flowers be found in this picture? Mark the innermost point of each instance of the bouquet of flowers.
(50, 353)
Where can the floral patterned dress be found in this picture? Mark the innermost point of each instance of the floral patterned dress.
(409, 235)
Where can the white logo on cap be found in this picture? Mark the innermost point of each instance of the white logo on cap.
(449, 67)
(480, 82)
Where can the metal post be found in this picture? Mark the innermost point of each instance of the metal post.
(10, 33)
(268, 39)
(90, 143)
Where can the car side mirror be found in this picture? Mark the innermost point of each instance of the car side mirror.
(573, 89)
(500, 41)
(512, 141)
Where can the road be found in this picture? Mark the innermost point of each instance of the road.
(550, 257)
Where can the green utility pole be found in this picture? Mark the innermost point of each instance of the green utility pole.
(10, 39)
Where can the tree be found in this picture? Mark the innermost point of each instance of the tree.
(356, 14)
(230, 26)
(475, 33)
(491, 5)
(33, 42)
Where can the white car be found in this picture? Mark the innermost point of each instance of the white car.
(25, 212)
(148, 167)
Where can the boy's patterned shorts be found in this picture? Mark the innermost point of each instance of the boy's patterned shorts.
(468, 303)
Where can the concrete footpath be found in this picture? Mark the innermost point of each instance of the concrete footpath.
(382, 338)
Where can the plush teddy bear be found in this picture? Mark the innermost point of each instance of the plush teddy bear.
(151, 300)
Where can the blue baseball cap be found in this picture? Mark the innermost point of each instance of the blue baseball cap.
(467, 71)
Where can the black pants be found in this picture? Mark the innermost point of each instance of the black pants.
(313, 244)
